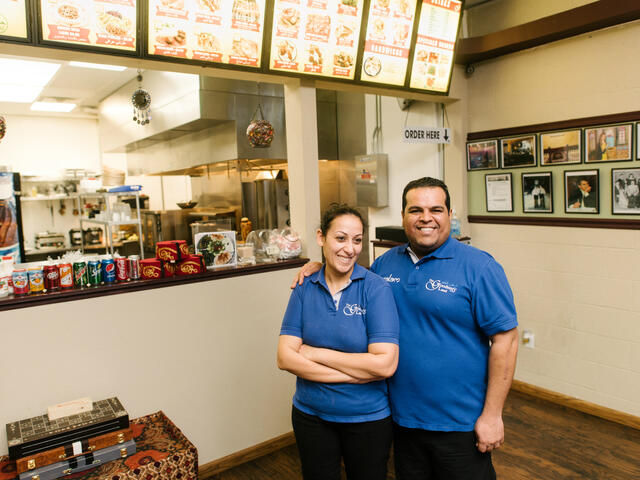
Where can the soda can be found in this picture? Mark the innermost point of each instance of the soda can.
(121, 269)
(51, 278)
(95, 272)
(20, 280)
(66, 275)
(80, 274)
(134, 267)
(108, 270)
(36, 280)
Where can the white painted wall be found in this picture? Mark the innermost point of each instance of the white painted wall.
(204, 353)
(577, 289)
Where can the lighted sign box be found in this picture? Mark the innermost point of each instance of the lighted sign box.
(13, 19)
(218, 31)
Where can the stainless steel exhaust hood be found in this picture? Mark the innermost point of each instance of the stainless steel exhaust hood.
(198, 121)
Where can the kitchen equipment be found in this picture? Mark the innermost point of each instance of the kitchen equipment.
(49, 240)
(266, 203)
(162, 225)
(93, 236)
(75, 237)
(185, 205)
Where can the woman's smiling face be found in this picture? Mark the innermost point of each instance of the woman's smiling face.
(342, 244)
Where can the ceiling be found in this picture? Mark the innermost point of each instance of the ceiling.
(85, 87)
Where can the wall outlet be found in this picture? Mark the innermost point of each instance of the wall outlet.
(528, 339)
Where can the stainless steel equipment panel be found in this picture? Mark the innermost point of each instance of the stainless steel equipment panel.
(372, 186)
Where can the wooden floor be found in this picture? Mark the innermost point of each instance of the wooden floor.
(543, 442)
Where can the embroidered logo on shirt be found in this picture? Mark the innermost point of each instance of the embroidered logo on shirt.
(354, 309)
(391, 279)
(440, 286)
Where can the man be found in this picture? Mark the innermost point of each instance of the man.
(538, 192)
(458, 344)
(584, 198)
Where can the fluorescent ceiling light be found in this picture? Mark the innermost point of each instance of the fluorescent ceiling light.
(98, 66)
(22, 80)
(52, 106)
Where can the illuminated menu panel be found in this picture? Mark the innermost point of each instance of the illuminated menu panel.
(221, 31)
(316, 37)
(13, 18)
(388, 38)
(98, 23)
(433, 57)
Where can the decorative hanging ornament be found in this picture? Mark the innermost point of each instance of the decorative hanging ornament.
(259, 131)
(3, 127)
(141, 101)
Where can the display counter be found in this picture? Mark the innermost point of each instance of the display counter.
(201, 348)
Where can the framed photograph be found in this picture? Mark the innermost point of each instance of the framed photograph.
(218, 249)
(611, 143)
(519, 151)
(482, 155)
(625, 190)
(537, 194)
(499, 192)
(561, 147)
(581, 191)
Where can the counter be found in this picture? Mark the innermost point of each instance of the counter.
(201, 348)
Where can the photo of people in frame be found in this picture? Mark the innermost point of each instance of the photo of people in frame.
(581, 191)
(519, 151)
(625, 190)
(607, 144)
(536, 192)
(560, 147)
(482, 155)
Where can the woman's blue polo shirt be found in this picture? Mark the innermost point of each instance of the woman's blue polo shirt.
(450, 303)
(366, 314)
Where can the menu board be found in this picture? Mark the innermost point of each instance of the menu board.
(388, 38)
(316, 37)
(98, 23)
(433, 57)
(222, 31)
(13, 18)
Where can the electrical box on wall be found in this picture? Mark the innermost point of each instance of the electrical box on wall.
(372, 184)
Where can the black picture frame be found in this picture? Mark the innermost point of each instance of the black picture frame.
(483, 155)
(561, 147)
(575, 201)
(496, 196)
(625, 199)
(519, 152)
(619, 145)
(537, 197)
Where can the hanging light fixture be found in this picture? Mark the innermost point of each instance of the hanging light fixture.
(3, 127)
(260, 131)
(141, 101)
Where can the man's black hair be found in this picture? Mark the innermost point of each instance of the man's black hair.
(429, 182)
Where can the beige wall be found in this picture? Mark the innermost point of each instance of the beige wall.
(204, 353)
(577, 289)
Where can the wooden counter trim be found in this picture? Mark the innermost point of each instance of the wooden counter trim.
(581, 405)
(611, 223)
(579, 20)
(210, 469)
(624, 117)
(14, 302)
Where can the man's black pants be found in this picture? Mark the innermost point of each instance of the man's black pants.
(428, 455)
(364, 447)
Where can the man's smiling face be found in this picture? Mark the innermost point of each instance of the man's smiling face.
(426, 219)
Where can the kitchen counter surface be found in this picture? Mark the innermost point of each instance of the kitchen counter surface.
(12, 301)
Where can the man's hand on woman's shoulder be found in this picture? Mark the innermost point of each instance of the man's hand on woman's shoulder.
(307, 269)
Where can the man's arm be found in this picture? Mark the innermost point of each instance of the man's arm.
(502, 363)
(290, 359)
(378, 363)
(307, 269)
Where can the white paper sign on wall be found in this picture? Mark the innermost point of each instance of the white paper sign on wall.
(426, 135)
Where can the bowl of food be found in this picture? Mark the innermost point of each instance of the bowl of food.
(186, 205)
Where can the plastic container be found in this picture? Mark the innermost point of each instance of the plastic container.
(455, 225)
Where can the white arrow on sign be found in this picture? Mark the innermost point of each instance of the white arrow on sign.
(426, 135)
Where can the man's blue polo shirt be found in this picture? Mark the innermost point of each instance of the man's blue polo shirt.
(366, 314)
(450, 302)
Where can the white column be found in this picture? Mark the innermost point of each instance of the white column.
(302, 155)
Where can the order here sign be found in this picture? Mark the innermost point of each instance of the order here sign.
(426, 135)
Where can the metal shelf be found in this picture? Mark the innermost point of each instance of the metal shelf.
(48, 197)
(113, 224)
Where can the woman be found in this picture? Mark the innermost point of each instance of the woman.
(339, 336)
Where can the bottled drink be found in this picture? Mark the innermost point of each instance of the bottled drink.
(455, 225)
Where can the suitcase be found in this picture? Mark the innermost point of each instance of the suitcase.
(81, 462)
(38, 434)
(73, 450)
